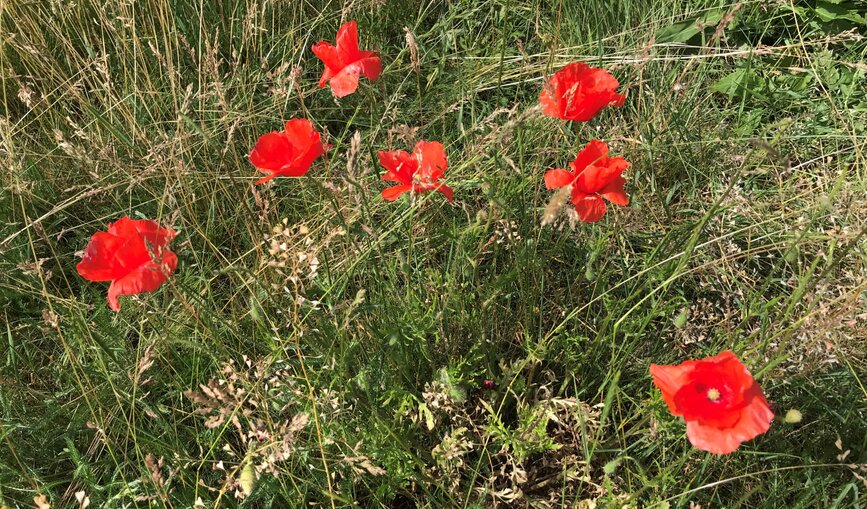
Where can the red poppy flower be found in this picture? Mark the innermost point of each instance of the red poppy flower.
(417, 172)
(594, 176)
(718, 398)
(345, 62)
(133, 255)
(578, 92)
(289, 153)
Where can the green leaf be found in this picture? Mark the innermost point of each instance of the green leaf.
(833, 11)
(683, 31)
(738, 83)
(428, 416)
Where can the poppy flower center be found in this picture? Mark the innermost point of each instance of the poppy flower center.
(713, 394)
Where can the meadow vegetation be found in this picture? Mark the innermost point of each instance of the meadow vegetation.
(321, 347)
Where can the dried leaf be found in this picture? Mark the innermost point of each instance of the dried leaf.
(83, 499)
(41, 502)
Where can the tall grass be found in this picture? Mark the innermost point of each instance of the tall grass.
(359, 379)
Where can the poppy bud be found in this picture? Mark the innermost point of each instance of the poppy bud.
(247, 479)
(680, 319)
(255, 312)
(793, 416)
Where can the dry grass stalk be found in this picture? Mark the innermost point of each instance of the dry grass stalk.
(413, 50)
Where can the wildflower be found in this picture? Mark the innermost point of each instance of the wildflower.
(345, 62)
(417, 172)
(133, 255)
(289, 153)
(594, 176)
(718, 398)
(578, 92)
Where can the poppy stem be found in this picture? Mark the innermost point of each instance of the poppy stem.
(412, 209)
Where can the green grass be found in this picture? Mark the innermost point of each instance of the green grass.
(747, 218)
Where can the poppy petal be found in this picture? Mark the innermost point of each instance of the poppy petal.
(266, 178)
(613, 192)
(297, 169)
(345, 82)
(328, 53)
(393, 193)
(558, 178)
(575, 70)
(289, 153)
(370, 64)
(305, 160)
(593, 152)
(723, 357)
(299, 132)
(418, 172)
(307, 144)
(589, 106)
(755, 419)
(132, 252)
(98, 263)
(344, 63)
(272, 152)
(711, 439)
(590, 208)
(400, 165)
(722, 404)
(599, 81)
(390, 160)
(347, 42)
(145, 278)
(447, 192)
(127, 254)
(550, 105)
(596, 176)
(126, 227)
(432, 161)
(669, 380)
(578, 92)
(327, 74)
(153, 233)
